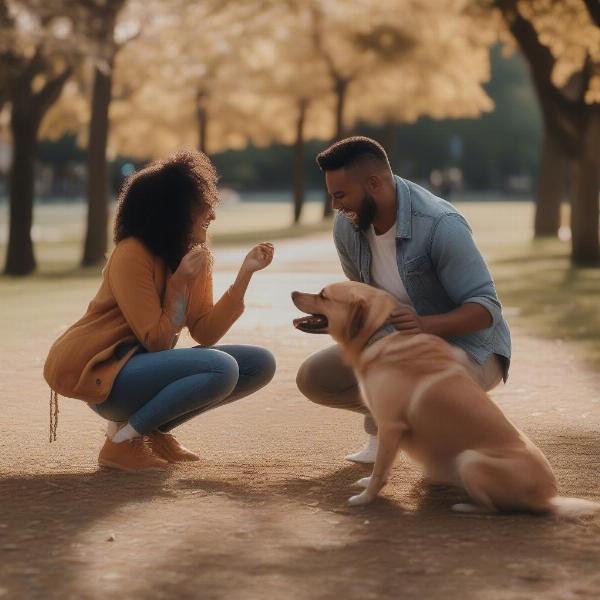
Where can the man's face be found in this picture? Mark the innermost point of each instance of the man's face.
(349, 196)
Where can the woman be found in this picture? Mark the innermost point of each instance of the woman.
(119, 356)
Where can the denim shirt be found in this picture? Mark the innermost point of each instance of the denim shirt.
(439, 264)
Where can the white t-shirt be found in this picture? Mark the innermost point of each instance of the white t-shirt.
(384, 268)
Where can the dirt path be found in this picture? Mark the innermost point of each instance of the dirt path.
(262, 515)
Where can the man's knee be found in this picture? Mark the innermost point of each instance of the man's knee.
(321, 380)
(307, 381)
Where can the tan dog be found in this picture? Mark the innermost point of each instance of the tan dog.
(425, 402)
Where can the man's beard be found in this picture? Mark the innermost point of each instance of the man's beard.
(366, 213)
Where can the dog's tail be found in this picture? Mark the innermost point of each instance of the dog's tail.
(573, 508)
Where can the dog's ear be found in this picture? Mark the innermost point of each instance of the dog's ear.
(356, 320)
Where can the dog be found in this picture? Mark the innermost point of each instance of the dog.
(426, 403)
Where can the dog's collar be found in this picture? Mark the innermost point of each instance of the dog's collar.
(380, 333)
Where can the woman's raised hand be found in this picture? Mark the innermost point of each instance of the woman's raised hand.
(259, 257)
(194, 263)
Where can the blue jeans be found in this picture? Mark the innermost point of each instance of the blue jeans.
(161, 390)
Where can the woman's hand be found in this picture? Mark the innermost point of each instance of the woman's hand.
(193, 264)
(258, 258)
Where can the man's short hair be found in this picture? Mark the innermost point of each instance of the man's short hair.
(349, 151)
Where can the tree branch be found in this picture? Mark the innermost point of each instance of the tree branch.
(33, 67)
(562, 116)
(46, 97)
(317, 36)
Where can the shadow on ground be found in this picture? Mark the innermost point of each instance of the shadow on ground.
(269, 532)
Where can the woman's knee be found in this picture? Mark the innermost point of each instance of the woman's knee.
(266, 364)
(257, 368)
(226, 369)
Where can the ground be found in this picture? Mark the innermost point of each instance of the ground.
(262, 515)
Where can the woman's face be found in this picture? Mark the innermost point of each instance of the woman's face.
(201, 224)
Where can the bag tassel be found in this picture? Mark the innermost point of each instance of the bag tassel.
(53, 415)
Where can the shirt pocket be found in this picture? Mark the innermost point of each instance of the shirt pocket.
(420, 278)
(418, 266)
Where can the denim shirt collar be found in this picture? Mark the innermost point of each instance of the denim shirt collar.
(404, 207)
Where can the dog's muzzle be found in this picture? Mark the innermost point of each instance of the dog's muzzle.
(311, 324)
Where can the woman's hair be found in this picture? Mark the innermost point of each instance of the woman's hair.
(158, 204)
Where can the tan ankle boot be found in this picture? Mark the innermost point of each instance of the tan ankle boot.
(133, 455)
(166, 446)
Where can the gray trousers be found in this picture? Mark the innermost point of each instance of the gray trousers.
(325, 379)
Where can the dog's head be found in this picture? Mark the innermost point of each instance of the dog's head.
(349, 311)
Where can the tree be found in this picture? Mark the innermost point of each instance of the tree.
(383, 72)
(550, 189)
(34, 70)
(222, 75)
(243, 80)
(293, 109)
(438, 73)
(102, 28)
(185, 81)
(334, 34)
(561, 41)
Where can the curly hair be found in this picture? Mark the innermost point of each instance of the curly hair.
(158, 204)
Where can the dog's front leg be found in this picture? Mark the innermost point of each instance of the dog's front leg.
(388, 437)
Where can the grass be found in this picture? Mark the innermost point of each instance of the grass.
(538, 286)
(58, 231)
(551, 296)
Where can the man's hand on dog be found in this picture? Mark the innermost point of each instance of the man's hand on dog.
(406, 321)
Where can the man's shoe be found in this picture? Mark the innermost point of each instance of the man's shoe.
(367, 454)
(133, 456)
(166, 446)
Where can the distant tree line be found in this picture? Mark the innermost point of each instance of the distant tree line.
(139, 78)
(502, 143)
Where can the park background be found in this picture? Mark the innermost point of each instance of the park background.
(492, 104)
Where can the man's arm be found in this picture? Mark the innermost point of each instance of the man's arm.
(460, 321)
(465, 319)
(466, 278)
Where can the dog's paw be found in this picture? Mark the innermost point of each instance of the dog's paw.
(363, 482)
(360, 499)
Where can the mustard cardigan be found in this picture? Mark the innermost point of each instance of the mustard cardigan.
(137, 306)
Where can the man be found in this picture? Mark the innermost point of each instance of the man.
(397, 236)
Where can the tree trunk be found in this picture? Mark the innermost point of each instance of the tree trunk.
(551, 187)
(27, 111)
(97, 189)
(585, 186)
(298, 162)
(573, 123)
(202, 115)
(20, 259)
(341, 89)
(584, 211)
